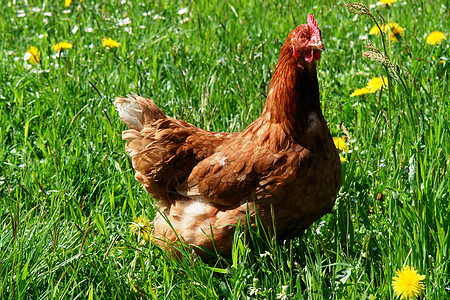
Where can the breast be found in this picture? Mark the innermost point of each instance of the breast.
(305, 188)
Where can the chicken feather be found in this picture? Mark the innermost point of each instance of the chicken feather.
(205, 183)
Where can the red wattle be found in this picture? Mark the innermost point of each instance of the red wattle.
(317, 55)
(309, 56)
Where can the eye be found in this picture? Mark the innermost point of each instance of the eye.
(301, 36)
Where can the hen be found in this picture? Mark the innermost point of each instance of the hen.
(283, 166)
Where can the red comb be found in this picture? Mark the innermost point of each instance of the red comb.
(313, 28)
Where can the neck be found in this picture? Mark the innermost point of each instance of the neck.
(293, 97)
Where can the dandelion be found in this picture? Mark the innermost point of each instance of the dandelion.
(108, 42)
(141, 227)
(68, 2)
(375, 30)
(361, 91)
(393, 28)
(408, 283)
(340, 144)
(396, 32)
(33, 55)
(387, 2)
(376, 83)
(62, 46)
(435, 37)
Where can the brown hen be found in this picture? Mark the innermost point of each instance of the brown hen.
(283, 166)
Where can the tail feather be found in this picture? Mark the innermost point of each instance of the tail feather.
(136, 111)
(136, 142)
(163, 150)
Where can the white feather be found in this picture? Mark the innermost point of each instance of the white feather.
(130, 112)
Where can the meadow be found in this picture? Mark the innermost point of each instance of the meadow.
(67, 190)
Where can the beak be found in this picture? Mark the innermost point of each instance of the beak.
(317, 45)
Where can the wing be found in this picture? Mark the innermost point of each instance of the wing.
(247, 167)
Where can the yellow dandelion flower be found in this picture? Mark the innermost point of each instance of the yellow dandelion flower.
(340, 143)
(33, 55)
(393, 28)
(387, 2)
(108, 42)
(62, 46)
(393, 37)
(396, 29)
(408, 283)
(375, 30)
(435, 37)
(68, 2)
(376, 83)
(396, 32)
(141, 227)
(361, 91)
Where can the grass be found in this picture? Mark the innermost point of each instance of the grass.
(67, 191)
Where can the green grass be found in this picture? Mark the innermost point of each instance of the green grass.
(67, 191)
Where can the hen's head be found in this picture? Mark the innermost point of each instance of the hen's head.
(305, 41)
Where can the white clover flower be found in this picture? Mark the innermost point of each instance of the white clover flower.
(183, 11)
